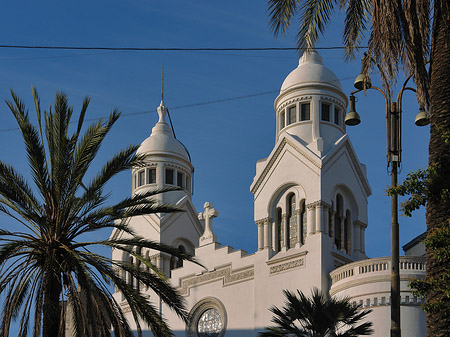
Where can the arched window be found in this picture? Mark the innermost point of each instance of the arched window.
(130, 276)
(303, 221)
(138, 264)
(176, 262)
(181, 249)
(330, 221)
(292, 222)
(347, 233)
(337, 222)
(278, 230)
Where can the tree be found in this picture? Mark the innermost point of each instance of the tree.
(317, 316)
(45, 259)
(406, 32)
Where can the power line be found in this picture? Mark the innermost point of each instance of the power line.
(162, 49)
(227, 99)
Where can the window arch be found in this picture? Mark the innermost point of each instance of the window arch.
(330, 220)
(347, 232)
(278, 230)
(337, 222)
(303, 222)
(291, 218)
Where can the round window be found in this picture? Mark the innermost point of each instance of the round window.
(209, 324)
(207, 319)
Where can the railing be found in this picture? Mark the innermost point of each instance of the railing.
(382, 265)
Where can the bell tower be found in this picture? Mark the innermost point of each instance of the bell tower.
(167, 164)
(310, 193)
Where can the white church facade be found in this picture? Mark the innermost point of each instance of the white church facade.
(310, 207)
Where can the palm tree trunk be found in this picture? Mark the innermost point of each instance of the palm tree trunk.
(52, 307)
(438, 208)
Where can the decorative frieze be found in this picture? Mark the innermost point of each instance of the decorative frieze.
(287, 265)
(294, 100)
(226, 274)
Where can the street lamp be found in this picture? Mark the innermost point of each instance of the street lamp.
(394, 150)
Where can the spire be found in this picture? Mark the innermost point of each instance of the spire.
(162, 85)
(162, 109)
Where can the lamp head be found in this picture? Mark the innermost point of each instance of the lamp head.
(362, 81)
(422, 118)
(352, 118)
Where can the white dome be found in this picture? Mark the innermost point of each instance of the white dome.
(310, 70)
(162, 141)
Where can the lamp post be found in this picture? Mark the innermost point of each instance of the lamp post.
(394, 151)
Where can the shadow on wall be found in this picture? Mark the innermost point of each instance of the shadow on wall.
(228, 333)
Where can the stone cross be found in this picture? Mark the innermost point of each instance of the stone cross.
(207, 216)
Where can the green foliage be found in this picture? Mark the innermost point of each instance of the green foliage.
(44, 260)
(317, 316)
(422, 186)
(438, 245)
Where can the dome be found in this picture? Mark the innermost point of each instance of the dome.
(162, 140)
(310, 70)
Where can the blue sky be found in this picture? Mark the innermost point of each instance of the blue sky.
(224, 139)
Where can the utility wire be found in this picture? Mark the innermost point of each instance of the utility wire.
(228, 99)
(4, 46)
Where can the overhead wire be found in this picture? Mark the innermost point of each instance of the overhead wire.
(184, 106)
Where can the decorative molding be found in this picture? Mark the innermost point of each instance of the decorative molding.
(288, 265)
(269, 165)
(318, 203)
(332, 100)
(263, 221)
(226, 274)
(360, 224)
(293, 100)
(357, 165)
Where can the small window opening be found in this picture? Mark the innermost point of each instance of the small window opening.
(282, 121)
(151, 176)
(292, 115)
(180, 180)
(305, 113)
(140, 178)
(337, 116)
(169, 176)
(326, 112)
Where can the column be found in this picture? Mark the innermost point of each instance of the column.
(310, 210)
(363, 237)
(267, 241)
(275, 238)
(319, 218)
(341, 221)
(260, 235)
(326, 218)
(357, 236)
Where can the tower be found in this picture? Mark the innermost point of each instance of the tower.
(167, 164)
(310, 193)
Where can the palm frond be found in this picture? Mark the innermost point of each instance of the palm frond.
(314, 16)
(281, 13)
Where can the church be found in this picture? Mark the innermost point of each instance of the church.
(310, 208)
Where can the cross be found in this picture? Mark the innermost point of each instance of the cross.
(209, 213)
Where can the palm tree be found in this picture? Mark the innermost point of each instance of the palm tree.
(317, 316)
(45, 259)
(406, 32)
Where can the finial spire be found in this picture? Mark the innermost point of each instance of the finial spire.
(162, 83)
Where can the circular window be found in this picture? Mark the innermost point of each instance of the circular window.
(207, 319)
(209, 324)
